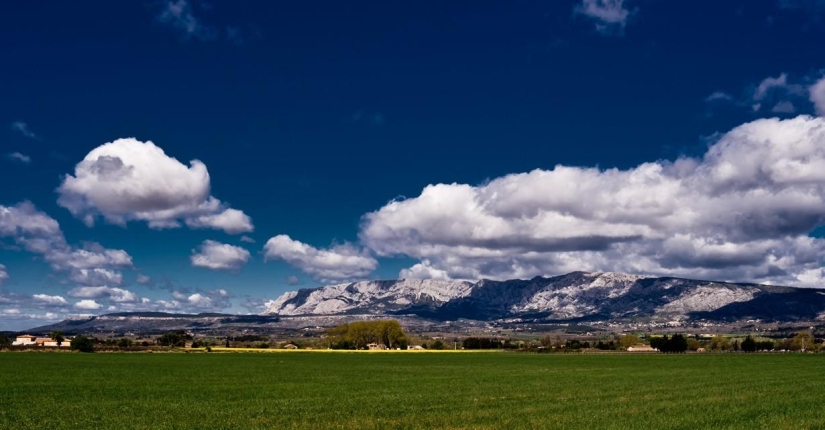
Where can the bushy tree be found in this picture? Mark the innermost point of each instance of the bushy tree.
(693, 344)
(124, 342)
(438, 345)
(675, 344)
(748, 345)
(720, 343)
(629, 340)
(83, 344)
(57, 336)
(5, 342)
(803, 341)
(765, 345)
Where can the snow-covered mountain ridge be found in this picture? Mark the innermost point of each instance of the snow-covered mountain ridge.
(574, 296)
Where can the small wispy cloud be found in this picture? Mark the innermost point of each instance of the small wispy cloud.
(22, 128)
(247, 239)
(777, 95)
(183, 16)
(179, 15)
(373, 118)
(719, 96)
(610, 16)
(19, 157)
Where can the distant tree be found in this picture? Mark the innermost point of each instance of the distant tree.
(628, 340)
(573, 344)
(675, 344)
(57, 336)
(124, 342)
(438, 345)
(5, 342)
(659, 342)
(803, 341)
(83, 344)
(720, 343)
(693, 344)
(765, 345)
(748, 345)
(173, 338)
(227, 342)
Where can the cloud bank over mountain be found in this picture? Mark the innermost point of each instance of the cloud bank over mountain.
(743, 211)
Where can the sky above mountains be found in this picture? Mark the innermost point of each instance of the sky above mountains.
(192, 156)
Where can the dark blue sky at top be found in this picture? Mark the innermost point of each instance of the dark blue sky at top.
(319, 112)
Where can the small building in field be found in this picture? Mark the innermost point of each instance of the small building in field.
(415, 347)
(376, 346)
(641, 348)
(24, 339)
(701, 350)
(290, 346)
(52, 342)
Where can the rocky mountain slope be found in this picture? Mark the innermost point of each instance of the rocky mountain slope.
(577, 296)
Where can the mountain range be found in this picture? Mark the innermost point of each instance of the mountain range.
(577, 296)
(592, 299)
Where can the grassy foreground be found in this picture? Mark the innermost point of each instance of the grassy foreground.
(446, 391)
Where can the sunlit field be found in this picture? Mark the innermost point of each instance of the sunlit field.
(311, 390)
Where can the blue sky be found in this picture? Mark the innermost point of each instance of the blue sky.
(366, 140)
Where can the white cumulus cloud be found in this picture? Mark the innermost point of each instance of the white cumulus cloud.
(129, 180)
(88, 305)
(117, 295)
(4, 274)
(338, 262)
(50, 300)
(743, 211)
(219, 256)
(816, 94)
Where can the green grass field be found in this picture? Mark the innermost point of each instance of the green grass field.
(410, 391)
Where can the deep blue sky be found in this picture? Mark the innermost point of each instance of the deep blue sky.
(316, 113)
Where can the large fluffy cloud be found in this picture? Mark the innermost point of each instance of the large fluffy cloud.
(744, 211)
(129, 180)
(219, 256)
(339, 262)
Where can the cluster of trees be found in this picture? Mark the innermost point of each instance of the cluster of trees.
(673, 344)
(802, 341)
(174, 338)
(574, 344)
(359, 334)
(487, 343)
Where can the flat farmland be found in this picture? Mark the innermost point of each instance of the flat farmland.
(315, 390)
